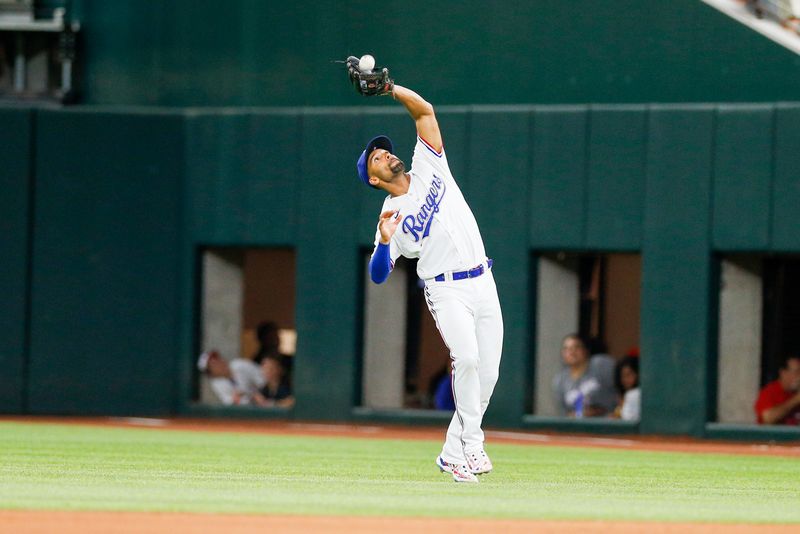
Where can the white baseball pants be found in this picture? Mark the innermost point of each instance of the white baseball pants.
(467, 313)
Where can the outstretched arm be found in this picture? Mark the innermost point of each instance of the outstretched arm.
(422, 113)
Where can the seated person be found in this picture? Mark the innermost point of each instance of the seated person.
(583, 388)
(233, 382)
(627, 382)
(778, 402)
(600, 361)
(276, 390)
(269, 346)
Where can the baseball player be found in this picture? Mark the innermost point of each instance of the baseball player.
(425, 216)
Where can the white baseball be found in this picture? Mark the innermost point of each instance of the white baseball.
(366, 63)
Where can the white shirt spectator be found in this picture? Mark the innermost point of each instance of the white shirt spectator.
(631, 405)
(246, 379)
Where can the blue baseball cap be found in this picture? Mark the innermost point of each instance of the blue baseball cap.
(379, 142)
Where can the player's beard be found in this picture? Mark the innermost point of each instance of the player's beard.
(397, 167)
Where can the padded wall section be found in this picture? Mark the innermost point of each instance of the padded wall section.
(16, 181)
(616, 177)
(244, 173)
(558, 178)
(498, 158)
(329, 269)
(125, 199)
(676, 316)
(105, 281)
(743, 163)
(786, 192)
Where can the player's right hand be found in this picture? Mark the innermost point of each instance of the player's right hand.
(387, 223)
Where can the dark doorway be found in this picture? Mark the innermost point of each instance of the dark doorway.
(781, 314)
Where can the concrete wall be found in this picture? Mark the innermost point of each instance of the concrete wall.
(385, 306)
(740, 327)
(557, 315)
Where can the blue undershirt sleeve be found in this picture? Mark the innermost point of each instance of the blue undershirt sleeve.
(380, 265)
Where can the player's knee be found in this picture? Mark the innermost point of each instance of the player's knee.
(466, 360)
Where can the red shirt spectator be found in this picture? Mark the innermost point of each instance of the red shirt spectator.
(779, 401)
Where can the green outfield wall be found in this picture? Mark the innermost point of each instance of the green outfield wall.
(265, 53)
(106, 210)
(105, 293)
(16, 184)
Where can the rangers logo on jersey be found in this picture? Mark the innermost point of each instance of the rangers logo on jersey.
(421, 222)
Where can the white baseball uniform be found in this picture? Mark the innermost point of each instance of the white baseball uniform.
(439, 229)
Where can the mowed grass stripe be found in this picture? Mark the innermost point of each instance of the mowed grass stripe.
(51, 466)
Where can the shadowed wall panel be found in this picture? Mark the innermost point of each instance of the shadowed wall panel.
(558, 178)
(105, 280)
(328, 270)
(498, 155)
(15, 183)
(616, 177)
(676, 318)
(786, 192)
(743, 177)
(244, 170)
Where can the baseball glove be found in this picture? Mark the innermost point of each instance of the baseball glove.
(375, 82)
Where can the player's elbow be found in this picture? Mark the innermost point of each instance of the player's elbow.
(421, 109)
(425, 110)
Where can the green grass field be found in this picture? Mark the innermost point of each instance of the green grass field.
(48, 466)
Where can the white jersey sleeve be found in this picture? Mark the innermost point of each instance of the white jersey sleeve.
(427, 156)
(437, 226)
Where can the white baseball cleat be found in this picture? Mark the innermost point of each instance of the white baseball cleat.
(461, 473)
(478, 462)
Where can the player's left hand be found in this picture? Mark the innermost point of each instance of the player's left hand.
(375, 82)
(387, 223)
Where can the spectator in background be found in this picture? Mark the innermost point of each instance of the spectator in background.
(583, 388)
(778, 402)
(233, 382)
(269, 347)
(753, 6)
(601, 361)
(276, 390)
(626, 379)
